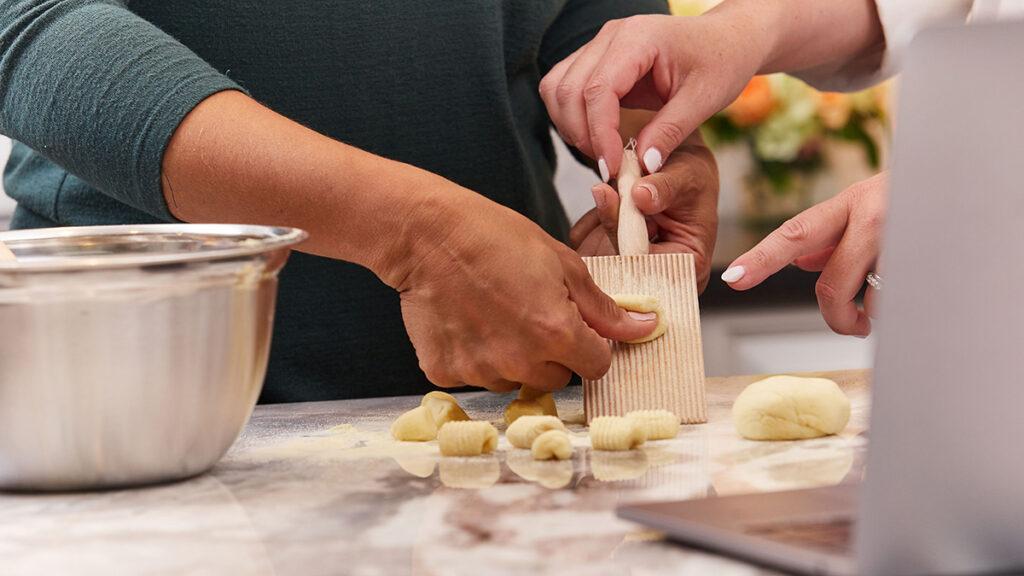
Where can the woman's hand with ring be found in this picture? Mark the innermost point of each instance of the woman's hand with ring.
(841, 238)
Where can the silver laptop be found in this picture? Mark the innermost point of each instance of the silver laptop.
(944, 485)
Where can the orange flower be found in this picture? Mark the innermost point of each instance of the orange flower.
(753, 105)
(834, 110)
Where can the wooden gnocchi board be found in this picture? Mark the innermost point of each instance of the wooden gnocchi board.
(667, 373)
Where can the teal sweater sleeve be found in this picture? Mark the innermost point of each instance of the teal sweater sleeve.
(99, 91)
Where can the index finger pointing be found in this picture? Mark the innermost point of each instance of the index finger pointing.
(813, 230)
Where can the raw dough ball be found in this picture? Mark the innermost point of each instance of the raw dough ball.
(416, 425)
(615, 433)
(790, 408)
(444, 407)
(469, 473)
(643, 303)
(552, 445)
(526, 429)
(467, 438)
(657, 424)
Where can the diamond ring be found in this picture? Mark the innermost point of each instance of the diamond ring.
(874, 280)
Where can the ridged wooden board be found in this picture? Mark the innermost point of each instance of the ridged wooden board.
(667, 373)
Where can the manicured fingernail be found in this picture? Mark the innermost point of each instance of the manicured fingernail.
(643, 316)
(598, 193)
(734, 274)
(652, 160)
(652, 191)
(602, 167)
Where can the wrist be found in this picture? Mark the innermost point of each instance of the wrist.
(420, 223)
(761, 24)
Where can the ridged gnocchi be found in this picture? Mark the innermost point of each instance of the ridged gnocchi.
(416, 425)
(526, 429)
(643, 303)
(657, 424)
(467, 438)
(615, 433)
(552, 445)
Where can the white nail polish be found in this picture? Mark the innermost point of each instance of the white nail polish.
(602, 167)
(733, 274)
(652, 160)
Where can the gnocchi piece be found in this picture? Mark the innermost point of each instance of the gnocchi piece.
(416, 425)
(615, 433)
(531, 402)
(657, 424)
(552, 445)
(469, 473)
(526, 429)
(643, 303)
(467, 438)
(444, 407)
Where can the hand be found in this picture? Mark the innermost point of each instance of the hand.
(840, 238)
(681, 205)
(497, 303)
(688, 68)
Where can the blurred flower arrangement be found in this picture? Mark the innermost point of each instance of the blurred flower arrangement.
(790, 129)
(785, 124)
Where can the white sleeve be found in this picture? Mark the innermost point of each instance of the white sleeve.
(901, 20)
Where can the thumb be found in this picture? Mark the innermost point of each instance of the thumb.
(601, 313)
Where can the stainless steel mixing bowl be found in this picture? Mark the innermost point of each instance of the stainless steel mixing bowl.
(131, 354)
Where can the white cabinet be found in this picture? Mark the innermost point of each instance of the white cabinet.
(772, 341)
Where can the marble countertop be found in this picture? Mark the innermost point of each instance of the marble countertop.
(320, 488)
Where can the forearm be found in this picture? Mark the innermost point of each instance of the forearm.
(233, 160)
(800, 35)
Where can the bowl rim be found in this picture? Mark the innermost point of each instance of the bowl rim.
(269, 238)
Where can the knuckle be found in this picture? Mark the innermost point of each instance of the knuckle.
(471, 372)
(437, 373)
(595, 89)
(761, 257)
(566, 93)
(827, 294)
(610, 26)
(874, 220)
(548, 85)
(669, 132)
(795, 230)
(553, 332)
